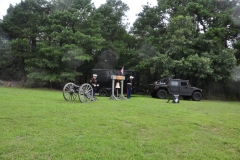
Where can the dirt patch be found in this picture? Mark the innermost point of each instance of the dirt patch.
(10, 83)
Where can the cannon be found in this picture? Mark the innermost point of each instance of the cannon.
(84, 92)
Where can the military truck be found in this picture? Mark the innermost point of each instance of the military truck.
(105, 81)
(167, 86)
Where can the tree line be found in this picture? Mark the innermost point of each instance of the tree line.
(55, 41)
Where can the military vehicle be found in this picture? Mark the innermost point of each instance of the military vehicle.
(167, 86)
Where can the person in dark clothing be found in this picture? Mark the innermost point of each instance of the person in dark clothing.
(93, 82)
(129, 86)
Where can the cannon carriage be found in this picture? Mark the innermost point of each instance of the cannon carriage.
(84, 92)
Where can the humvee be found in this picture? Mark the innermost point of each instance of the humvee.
(167, 86)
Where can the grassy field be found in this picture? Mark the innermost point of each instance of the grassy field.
(40, 124)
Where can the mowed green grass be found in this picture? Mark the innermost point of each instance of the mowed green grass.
(40, 124)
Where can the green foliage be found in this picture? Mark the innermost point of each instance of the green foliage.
(149, 26)
(192, 42)
(8, 69)
(117, 42)
(237, 53)
(61, 35)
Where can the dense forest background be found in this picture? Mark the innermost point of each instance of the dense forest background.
(51, 42)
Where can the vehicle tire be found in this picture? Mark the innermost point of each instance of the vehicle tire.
(186, 97)
(103, 93)
(162, 94)
(197, 96)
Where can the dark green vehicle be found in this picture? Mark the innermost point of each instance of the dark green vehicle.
(167, 86)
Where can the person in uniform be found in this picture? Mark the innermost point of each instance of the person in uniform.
(129, 86)
(93, 82)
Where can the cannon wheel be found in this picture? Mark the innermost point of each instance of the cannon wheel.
(69, 93)
(85, 93)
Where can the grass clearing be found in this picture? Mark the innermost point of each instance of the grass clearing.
(40, 124)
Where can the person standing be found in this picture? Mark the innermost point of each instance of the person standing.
(129, 86)
(93, 82)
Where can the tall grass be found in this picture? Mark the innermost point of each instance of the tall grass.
(40, 124)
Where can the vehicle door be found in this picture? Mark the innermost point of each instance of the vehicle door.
(174, 86)
(184, 87)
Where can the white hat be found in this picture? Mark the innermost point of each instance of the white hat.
(94, 75)
(131, 77)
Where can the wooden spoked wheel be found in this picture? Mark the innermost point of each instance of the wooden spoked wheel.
(85, 93)
(69, 92)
